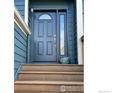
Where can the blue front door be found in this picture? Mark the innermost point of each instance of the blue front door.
(44, 37)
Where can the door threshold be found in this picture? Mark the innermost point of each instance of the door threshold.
(44, 63)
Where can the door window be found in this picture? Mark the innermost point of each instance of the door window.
(45, 16)
(62, 34)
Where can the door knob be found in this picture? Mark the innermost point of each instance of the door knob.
(54, 39)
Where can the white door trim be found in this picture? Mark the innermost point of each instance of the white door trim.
(80, 32)
(26, 11)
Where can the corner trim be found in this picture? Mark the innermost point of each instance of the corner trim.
(20, 22)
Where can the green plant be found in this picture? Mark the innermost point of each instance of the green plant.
(64, 60)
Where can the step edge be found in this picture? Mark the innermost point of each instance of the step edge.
(47, 83)
(53, 65)
(70, 73)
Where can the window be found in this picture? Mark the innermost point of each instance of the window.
(62, 36)
(45, 16)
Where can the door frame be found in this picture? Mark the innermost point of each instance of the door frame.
(57, 31)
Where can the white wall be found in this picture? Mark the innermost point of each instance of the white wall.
(80, 32)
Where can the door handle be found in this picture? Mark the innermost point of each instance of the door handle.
(54, 38)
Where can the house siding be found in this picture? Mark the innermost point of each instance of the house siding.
(29, 37)
(20, 5)
(20, 49)
(71, 22)
(71, 33)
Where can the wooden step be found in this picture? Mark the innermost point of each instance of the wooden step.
(51, 76)
(48, 87)
(46, 92)
(53, 67)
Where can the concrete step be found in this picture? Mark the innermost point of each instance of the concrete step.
(51, 76)
(48, 87)
(53, 67)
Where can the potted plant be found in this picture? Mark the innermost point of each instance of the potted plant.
(64, 60)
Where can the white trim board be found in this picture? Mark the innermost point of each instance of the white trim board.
(20, 22)
(26, 11)
(80, 26)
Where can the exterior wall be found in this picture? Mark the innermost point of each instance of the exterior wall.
(29, 37)
(71, 27)
(21, 33)
(49, 4)
(20, 49)
(71, 33)
(74, 33)
(20, 4)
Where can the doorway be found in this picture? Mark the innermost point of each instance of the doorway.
(49, 36)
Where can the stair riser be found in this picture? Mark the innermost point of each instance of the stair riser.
(50, 77)
(49, 88)
(54, 68)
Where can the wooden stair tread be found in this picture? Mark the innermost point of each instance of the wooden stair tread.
(46, 72)
(48, 83)
(53, 65)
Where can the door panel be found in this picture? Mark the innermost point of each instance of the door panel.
(44, 40)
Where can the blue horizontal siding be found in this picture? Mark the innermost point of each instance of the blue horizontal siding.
(20, 4)
(18, 30)
(21, 8)
(72, 53)
(20, 49)
(17, 64)
(21, 12)
(20, 39)
(21, 43)
(20, 58)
